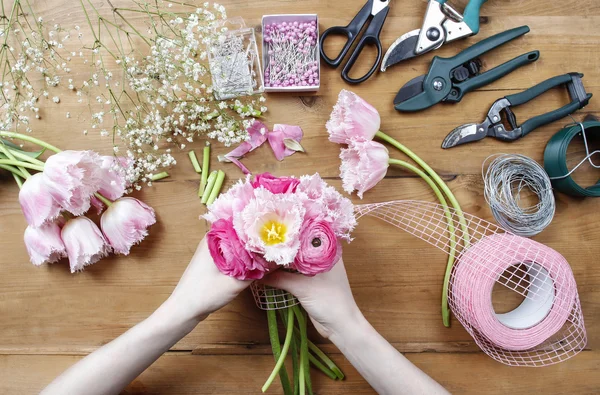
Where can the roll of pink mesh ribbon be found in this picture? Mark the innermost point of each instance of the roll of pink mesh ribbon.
(546, 328)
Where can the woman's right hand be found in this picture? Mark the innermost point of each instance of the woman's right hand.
(326, 297)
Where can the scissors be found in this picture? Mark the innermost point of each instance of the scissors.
(378, 10)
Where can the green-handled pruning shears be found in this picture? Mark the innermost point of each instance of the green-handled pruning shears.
(442, 24)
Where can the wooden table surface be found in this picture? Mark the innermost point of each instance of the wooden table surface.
(51, 318)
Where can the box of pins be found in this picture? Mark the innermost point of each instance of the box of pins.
(290, 53)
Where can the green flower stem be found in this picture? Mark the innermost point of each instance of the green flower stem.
(216, 189)
(24, 137)
(13, 170)
(330, 364)
(453, 201)
(194, 161)
(284, 351)
(321, 367)
(451, 230)
(21, 156)
(210, 183)
(304, 362)
(9, 154)
(205, 166)
(18, 180)
(159, 176)
(14, 162)
(276, 347)
(103, 199)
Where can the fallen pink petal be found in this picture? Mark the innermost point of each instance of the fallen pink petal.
(277, 139)
(257, 135)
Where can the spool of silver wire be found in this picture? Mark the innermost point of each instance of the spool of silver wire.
(509, 180)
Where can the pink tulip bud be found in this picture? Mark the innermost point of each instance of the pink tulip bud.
(44, 243)
(72, 178)
(352, 119)
(36, 202)
(84, 242)
(126, 223)
(364, 164)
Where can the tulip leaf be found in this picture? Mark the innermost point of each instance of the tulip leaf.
(15, 147)
(293, 145)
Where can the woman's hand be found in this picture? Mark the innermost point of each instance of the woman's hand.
(203, 289)
(326, 297)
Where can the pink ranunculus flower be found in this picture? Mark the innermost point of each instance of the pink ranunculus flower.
(270, 225)
(319, 248)
(126, 223)
(44, 244)
(229, 253)
(231, 202)
(352, 118)
(72, 178)
(276, 184)
(84, 242)
(37, 203)
(364, 164)
(112, 177)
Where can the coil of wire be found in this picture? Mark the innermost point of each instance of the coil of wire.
(508, 179)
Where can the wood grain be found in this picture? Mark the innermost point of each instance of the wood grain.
(51, 318)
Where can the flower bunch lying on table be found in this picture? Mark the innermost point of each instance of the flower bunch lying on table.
(365, 162)
(268, 222)
(55, 199)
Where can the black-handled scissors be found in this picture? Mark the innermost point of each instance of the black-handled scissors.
(378, 9)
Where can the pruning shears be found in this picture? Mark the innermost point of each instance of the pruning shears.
(493, 125)
(442, 24)
(449, 79)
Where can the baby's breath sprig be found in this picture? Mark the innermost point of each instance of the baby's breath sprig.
(148, 85)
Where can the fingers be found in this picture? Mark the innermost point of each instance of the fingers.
(291, 282)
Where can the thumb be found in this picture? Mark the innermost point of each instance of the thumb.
(291, 282)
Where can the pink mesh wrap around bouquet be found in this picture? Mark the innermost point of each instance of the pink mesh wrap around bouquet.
(546, 328)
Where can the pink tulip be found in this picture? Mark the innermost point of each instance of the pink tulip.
(126, 223)
(319, 248)
(229, 254)
(84, 243)
(36, 202)
(275, 184)
(364, 164)
(352, 118)
(44, 243)
(112, 180)
(72, 178)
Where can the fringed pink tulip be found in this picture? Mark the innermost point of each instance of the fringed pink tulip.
(84, 242)
(112, 180)
(126, 223)
(364, 164)
(36, 201)
(44, 244)
(352, 118)
(72, 178)
(319, 248)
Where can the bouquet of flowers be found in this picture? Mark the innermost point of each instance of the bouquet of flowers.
(266, 223)
(55, 199)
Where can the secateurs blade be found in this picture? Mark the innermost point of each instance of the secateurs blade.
(441, 24)
(493, 126)
(449, 79)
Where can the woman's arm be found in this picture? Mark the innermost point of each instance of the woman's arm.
(329, 302)
(108, 370)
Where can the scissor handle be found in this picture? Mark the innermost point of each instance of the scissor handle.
(366, 40)
(351, 32)
(371, 36)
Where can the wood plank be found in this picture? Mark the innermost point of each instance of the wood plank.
(185, 374)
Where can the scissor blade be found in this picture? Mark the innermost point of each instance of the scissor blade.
(411, 89)
(464, 134)
(401, 49)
